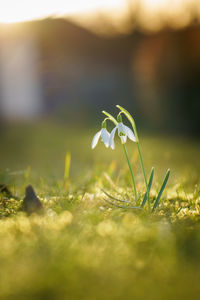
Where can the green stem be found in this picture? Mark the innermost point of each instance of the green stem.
(144, 173)
(131, 120)
(110, 117)
(130, 168)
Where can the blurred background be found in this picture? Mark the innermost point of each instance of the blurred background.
(65, 61)
(84, 56)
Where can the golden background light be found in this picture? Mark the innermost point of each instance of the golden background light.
(151, 14)
(12, 11)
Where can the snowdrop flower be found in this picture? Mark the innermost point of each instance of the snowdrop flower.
(104, 134)
(123, 132)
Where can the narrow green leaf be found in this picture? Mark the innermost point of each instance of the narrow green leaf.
(161, 190)
(120, 200)
(67, 165)
(122, 206)
(149, 187)
(110, 117)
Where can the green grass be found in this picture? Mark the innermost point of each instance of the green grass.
(82, 247)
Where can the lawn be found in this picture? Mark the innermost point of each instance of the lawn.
(82, 247)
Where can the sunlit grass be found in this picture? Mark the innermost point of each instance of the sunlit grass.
(82, 247)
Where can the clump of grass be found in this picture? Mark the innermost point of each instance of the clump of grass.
(89, 250)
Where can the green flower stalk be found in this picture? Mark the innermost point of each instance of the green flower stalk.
(123, 132)
(131, 171)
(131, 120)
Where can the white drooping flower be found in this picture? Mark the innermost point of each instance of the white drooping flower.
(123, 132)
(105, 136)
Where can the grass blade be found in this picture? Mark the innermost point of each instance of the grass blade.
(125, 201)
(161, 190)
(122, 206)
(67, 165)
(149, 187)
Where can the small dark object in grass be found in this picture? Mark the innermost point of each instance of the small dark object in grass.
(5, 191)
(31, 203)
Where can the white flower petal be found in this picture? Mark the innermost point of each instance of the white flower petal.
(123, 139)
(130, 133)
(105, 137)
(112, 136)
(121, 128)
(95, 139)
(122, 132)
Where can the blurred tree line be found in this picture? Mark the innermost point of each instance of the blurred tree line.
(154, 74)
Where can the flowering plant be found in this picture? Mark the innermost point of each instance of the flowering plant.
(125, 132)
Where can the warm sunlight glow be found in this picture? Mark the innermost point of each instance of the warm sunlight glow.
(152, 14)
(12, 11)
(173, 12)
